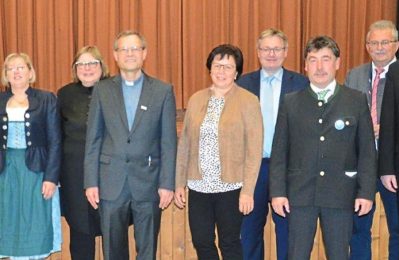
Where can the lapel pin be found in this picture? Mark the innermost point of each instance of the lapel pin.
(143, 107)
(339, 124)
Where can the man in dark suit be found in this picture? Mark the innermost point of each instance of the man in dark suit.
(130, 151)
(369, 78)
(388, 157)
(272, 46)
(323, 164)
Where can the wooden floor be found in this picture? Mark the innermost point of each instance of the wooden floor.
(175, 239)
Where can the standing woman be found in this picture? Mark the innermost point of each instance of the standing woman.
(30, 153)
(88, 67)
(219, 155)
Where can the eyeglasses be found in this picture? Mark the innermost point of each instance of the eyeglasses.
(134, 49)
(383, 43)
(90, 64)
(275, 50)
(17, 68)
(225, 67)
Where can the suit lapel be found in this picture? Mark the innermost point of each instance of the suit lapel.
(144, 102)
(119, 100)
(255, 87)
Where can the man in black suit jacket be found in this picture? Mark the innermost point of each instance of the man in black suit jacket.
(388, 158)
(272, 50)
(381, 44)
(130, 156)
(323, 164)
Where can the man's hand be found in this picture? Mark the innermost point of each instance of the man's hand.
(180, 197)
(389, 182)
(48, 189)
(246, 204)
(93, 197)
(280, 205)
(363, 206)
(165, 198)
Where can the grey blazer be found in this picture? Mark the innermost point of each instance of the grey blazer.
(144, 156)
(360, 78)
(323, 154)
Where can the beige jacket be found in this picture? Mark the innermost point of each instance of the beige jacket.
(240, 139)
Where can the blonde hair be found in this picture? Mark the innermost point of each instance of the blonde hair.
(27, 61)
(273, 32)
(95, 52)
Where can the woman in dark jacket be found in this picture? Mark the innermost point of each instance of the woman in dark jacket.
(88, 67)
(30, 150)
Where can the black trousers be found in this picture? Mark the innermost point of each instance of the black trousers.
(82, 246)
(221, 209)
(82, 242)
(336, 226)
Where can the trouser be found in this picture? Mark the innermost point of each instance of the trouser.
(221, 209)
(115, 218)
(360, 245)
(253, 224)
(336, 226)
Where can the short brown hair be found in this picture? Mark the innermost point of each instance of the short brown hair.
(128, 33)
(95, 52)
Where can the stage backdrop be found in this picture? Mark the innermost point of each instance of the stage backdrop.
(180, 34)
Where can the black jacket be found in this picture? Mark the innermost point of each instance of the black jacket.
(43, 133)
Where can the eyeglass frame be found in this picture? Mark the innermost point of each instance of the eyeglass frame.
(383, 43)
(134, 49)
(275, 50)
(91, 64)
(19, 68)
(225, 67)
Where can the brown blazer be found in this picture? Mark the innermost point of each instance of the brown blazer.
(240, 139)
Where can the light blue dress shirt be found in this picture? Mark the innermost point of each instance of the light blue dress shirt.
(270, 90)
(131, 95)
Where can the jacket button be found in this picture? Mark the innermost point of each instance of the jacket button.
(29, 143)
(28, 133)
(128, 141)
(4, 127)
(320, 121)
(27, 115)
(4, 137)
(322, 138)
(27, 124)
(4, 146)
(320, 104)
(346, 122)
(5, 119)
(322, 173)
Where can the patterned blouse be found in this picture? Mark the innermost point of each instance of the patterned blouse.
(209, 153)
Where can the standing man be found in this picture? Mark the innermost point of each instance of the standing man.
(323, 164)
(388, 161)
(369, 78)
(130, 151)
(270, 84)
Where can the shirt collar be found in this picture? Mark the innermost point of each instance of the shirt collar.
(278, 75)
(382, 75)
(134, 82)
(330, 86)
